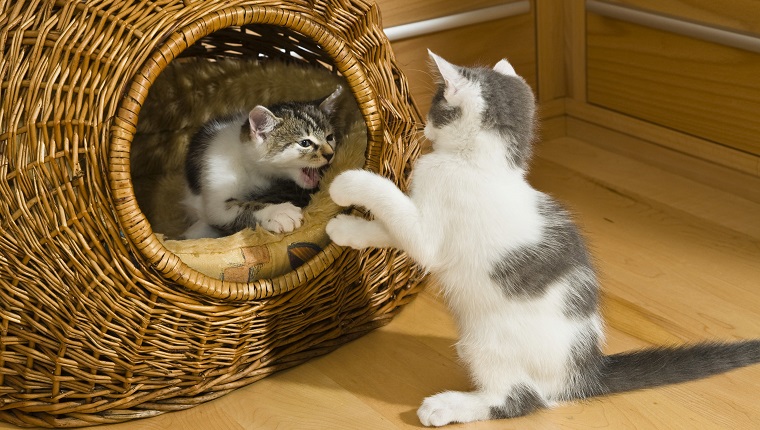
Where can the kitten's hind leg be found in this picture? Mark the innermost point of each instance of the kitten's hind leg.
(358, 233)
(460, 407)
(453, 407)
(200, 230)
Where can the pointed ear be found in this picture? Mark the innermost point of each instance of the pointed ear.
(448, 71)
(505, 68)
(262, 121)
(330, 104)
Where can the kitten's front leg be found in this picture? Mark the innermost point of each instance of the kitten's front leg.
(358, 233)
(200, 230)
(363, 188)
(277, 218)
(281, 217)
(393, 209)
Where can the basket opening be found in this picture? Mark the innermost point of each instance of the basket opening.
(230, 70)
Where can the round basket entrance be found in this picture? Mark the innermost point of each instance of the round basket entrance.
(100, 322)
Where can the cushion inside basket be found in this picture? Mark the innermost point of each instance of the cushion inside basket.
(188, 93)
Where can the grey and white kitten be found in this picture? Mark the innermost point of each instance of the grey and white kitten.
(241, 170)
(511, 264)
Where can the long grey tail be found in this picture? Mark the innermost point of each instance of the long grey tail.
(653, 367)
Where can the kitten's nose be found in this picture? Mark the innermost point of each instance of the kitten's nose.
(328, 156)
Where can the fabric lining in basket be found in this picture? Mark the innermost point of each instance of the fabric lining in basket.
(99, 321)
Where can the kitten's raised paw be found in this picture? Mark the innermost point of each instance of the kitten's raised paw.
(451, 407)
(343, 231)
(348, 187)
(280, 218)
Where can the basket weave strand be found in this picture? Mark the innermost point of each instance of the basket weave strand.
(99, 323)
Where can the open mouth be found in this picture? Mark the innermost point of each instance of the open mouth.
(310, 177)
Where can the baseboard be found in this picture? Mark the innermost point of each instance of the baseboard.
(552, 120)
(725, 178)
(697, 159)
(692, 146)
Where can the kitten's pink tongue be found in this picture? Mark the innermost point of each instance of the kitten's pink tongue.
(310, 177)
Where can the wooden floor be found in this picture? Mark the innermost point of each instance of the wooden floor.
(679, 262)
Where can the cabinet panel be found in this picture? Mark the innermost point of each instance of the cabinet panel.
(482, 44)
(741, 15)
(397, 12)
(700, 88)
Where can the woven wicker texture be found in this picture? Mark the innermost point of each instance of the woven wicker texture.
(98, 322)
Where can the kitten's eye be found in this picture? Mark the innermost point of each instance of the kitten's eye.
(330, 138)
(305, 143)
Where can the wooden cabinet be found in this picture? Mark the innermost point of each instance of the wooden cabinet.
(671, 82)
(484, 43)
(739, 15)
(397, 12)
(675, 83)
(697, 87)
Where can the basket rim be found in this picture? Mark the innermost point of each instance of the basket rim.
(133, 223)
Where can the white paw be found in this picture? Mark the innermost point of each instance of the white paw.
(348, 188)
(280, 218)
(344, 231)
(451, 407)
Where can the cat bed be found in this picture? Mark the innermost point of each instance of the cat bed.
(190, 92)
(103, 320)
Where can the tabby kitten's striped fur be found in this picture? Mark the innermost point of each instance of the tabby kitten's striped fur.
(234, 164)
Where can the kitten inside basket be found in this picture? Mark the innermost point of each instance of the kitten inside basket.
(235, 164)
(235, 154)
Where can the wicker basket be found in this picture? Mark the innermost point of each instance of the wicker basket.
(99, 322)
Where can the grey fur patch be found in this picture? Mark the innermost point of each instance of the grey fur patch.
(440, 113)
(590, 373)
(583, 368)
(582, 297)
(527, 272)
(658, 366)
(521, 401)
(509, 110)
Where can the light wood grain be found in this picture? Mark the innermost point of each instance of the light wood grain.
(700, 159)
(575, 48)
(679, 261)
(482, 44)
(696, 87)
(734, 14)
(700, 199)
(550, 50)
(397, 12)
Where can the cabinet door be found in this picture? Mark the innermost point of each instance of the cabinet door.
(704, 89)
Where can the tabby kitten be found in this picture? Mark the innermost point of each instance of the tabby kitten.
(511, 263)
(234, 165)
